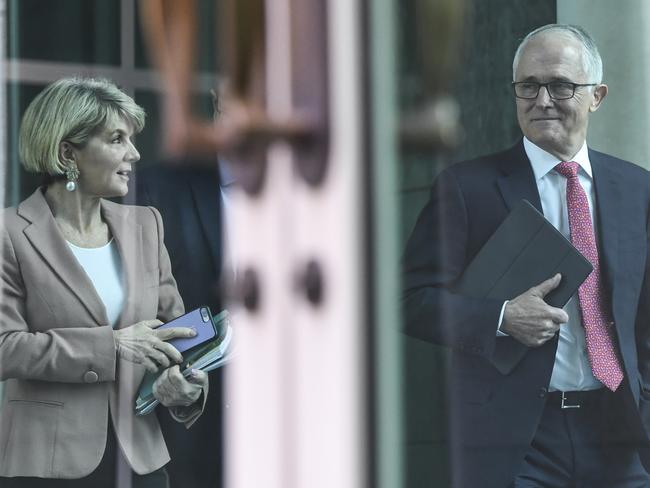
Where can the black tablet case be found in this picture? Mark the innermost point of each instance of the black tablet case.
(524, 251)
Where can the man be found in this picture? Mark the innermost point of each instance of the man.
(188, 196)
(574, 411)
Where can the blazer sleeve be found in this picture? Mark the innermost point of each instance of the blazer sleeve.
(434, 259)
(57, 355)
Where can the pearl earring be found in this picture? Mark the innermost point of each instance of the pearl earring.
(72, 174)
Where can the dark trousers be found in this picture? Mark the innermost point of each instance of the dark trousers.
(196, 453)
(576, 447)
(112, 472)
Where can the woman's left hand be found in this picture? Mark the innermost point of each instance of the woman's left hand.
(172, 389)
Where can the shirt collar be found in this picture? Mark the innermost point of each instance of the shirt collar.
(543, 162)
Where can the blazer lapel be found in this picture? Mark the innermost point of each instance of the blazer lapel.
(518, 180)
(128, 237)
(208, 204)
(608, 203)
(44, 235)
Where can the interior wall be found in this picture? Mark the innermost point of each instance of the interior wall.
(622, 32)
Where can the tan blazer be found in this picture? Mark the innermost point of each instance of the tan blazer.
(57, 353)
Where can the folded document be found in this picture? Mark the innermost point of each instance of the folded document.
(206, 357)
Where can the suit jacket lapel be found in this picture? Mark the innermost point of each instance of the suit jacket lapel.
(608, 202)
(46, 238)
(518, 180)
(128, 237)
(208, 203)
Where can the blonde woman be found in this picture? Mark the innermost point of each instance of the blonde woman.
(85, 282)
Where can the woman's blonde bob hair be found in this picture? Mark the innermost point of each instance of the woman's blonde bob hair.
(72, 110)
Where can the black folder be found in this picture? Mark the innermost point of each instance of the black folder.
(524, 251)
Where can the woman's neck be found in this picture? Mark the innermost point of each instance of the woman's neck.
(77, 215)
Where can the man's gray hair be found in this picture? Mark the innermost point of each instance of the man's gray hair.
(592, 62)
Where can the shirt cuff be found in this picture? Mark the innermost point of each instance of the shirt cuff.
(503, 311)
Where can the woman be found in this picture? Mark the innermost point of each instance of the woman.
(85, 282)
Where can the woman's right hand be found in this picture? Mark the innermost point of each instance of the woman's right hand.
(141, 343)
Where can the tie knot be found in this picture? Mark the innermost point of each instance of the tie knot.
(568, 169)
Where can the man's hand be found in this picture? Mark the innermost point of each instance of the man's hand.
(529, 319)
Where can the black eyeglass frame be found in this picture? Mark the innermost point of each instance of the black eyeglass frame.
(546, 85)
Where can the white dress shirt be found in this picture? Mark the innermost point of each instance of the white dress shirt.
(571, 370)
(104, 268)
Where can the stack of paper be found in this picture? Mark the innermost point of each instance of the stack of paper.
(206, 357)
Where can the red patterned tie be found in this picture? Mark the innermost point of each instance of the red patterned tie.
(600, 342)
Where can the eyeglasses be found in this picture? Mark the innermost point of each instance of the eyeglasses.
(557, 90)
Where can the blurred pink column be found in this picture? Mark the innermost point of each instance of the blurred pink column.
(296, 397)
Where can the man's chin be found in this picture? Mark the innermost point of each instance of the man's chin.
(544, 138)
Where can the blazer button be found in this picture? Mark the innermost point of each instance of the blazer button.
(90, 377)
(542, 392)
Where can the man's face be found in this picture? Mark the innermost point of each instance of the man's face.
(557, 126)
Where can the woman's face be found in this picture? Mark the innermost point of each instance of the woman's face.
(106, 161)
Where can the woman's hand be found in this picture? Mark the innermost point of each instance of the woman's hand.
(172, 389)
(141, 343)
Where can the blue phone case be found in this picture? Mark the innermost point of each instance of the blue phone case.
(200, 320)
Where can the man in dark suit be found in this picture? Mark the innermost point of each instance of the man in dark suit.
(574, 410)
(188, 196)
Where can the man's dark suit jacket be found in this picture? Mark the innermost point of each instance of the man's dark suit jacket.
(189, 201)
(493, 417)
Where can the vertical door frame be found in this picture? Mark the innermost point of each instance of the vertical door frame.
(385, 368)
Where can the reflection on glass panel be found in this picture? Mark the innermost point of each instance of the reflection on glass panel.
(149, 142)
(487, 115)
(20, 184)
(206, 42)
(75, 31)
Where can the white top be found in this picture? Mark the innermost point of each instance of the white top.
(571, 370)
(104, 268)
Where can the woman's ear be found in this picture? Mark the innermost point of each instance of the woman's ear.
(66, 153)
